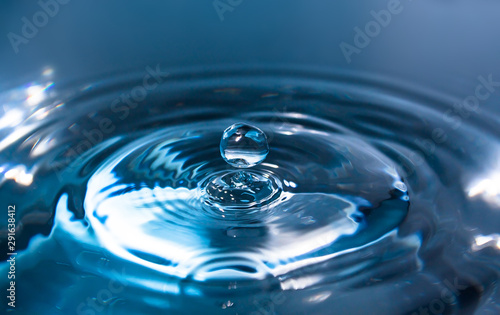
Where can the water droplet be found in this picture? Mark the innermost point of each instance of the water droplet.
(227, 304)
(243, 145)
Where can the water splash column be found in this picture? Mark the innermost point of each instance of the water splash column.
(242, 146)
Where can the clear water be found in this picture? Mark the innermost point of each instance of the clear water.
(365, 193)
(243, 145)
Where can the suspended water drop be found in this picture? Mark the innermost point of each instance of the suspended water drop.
(243, 145)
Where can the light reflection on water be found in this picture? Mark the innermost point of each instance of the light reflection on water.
(363, 208)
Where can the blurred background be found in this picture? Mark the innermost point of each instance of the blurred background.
(439, 51)
(440, 44)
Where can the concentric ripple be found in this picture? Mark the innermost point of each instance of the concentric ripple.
(155, 187)
(357, 198)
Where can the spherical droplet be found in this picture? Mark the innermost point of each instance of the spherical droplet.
(243, 145)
